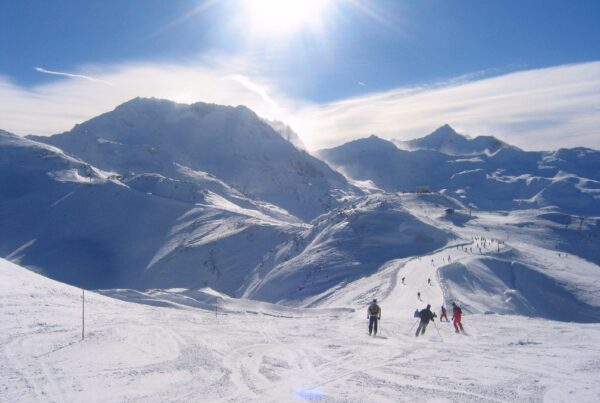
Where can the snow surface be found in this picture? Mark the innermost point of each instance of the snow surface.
(177, 345)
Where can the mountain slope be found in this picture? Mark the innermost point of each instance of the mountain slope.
(84, 226)
(509, 179)
(232, 144)
(346, 244)
(257, 352)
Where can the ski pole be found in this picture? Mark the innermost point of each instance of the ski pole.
(438, 330)
(413, 325)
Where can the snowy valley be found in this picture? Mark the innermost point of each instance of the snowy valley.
(224, 262)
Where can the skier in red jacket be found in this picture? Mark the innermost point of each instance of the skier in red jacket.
(456, 316)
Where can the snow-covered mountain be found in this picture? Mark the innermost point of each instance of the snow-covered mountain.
(509, 179)
(448, 141)
(218, 294)
(161, 195)
(348, 243)
(185, 142)
(76, 223)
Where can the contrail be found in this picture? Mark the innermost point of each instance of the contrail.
(60, 73)
(257, 89)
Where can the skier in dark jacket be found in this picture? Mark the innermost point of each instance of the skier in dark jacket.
(373, 314)
(426, 315)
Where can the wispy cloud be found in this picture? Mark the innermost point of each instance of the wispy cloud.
(534, 109)
(256, 88)
(70, 75)
(57, 106)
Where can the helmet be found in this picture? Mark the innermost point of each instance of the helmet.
(428, 306)
(374, 300)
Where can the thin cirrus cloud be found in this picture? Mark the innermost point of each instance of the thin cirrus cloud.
(70, 75)
(534, 109)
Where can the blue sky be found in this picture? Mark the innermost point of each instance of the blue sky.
(357, 49)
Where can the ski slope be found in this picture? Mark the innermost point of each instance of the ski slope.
(175, 346)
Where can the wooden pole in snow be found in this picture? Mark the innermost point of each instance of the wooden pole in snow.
(82, 314)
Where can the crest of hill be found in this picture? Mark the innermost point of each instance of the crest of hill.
(389, 167)
(346, 244)
(231, 143)
(446, 140)
(509, 179)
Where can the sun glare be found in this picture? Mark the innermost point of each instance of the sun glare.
(285, 16)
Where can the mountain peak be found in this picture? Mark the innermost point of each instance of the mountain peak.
(374, 142)
(138, 102)
(155, 136)
(445, 131)
(446, 140)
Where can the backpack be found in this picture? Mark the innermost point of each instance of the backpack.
(374, 309)
(417, 313)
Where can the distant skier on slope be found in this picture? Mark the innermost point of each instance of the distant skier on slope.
(429, 281)
(403, 278)
(425, 315)
(444, 314)
(373, 314)
(456, 317)
(419, 296)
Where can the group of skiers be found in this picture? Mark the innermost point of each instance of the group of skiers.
(425, 316)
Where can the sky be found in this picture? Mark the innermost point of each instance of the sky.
(526, 71)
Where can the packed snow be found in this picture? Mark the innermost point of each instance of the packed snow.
(184, 345)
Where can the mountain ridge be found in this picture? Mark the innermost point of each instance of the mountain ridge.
(231, 143)
(446, 140)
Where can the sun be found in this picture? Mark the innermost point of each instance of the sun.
(284, 16)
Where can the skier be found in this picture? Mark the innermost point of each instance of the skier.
(373, 314)
(456, 317)
(426, 315)
(429, 281)
(444, 314)
(403, 280)
(419, 295)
